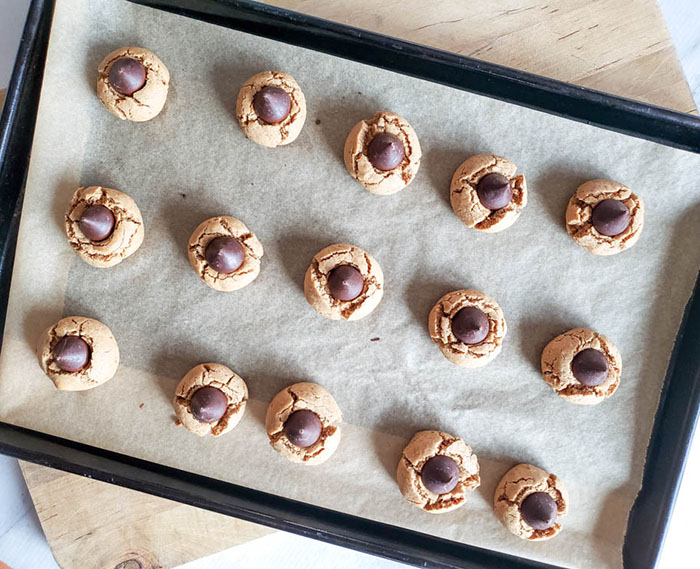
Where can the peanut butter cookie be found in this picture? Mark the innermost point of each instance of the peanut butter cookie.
(78, 353)
(604, 217)
(468, 326)
(436, 471)
(271, 108)
(132, 84)
(210, 399)
(103, 226)
(383, 153)
(302, 423)
(343, 281)
(486, 194)
(529, 502)
(582, 366)
(225, 253)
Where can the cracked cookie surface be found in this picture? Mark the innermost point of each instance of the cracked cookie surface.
(225, 226)
(256, 129)
(316, 287)
(147, 102)
(312, 397)
(557, 358)
(465, 199)
(126, 236)
(422, 447)
(358, 164)
(222, 378)
(103, 359)
(579, 213)
(459, 353)
(516, 485)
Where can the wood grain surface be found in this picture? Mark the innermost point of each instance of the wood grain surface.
(617, 46)
(94, 525)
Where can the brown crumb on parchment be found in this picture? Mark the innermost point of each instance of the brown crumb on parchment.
(374, 339)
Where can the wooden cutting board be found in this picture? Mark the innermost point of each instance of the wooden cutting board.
(617, 46)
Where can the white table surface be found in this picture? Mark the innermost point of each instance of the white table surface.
(23, 545)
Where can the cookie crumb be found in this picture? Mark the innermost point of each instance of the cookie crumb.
(178, 422)
(183, 195)
(141, 406)
(374, 339)
(318, 121)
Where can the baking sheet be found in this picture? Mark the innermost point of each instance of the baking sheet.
(193, 162)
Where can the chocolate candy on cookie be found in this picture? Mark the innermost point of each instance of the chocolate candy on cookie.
(127, 75)
(224, 253)
(437, 471)
(78, 353)
(303, 428)
(487, 194)
(303, 423)
(71, 353)
(210, 399)
(604, 217)
(272, 104)
(382, 153)
(103, 225)
(530, 502)
(468, 327)
(343, 282)
(271, 108)
(582, 366)
(132, 84)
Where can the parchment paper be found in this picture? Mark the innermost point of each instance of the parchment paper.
(193, 162)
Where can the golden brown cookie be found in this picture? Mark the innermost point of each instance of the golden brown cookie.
(144, 103)
(529, 502)
(123, 240)
(604, 232)
(251, 112)
(582, 366)
(78, 353)
(436, 471)
(357, 154)
(334, 294)
(210, 399)
(468, 326)
(215, 248)
(303, 423)
(465, 193)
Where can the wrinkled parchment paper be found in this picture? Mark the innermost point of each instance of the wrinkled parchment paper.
(193, 162)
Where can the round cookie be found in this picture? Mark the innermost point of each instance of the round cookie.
(78, 353)
(604, 217)
(529, 502)
(210, 399)
(481, 330)
(486, 194)
(118, 75)
(582, 366)
(397, 169)
(437, 485)
(126, 233)
(324, 278)
(265, 95)
(294, 414)
(201, 257)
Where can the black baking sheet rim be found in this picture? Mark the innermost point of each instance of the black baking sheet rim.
(680, 398)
